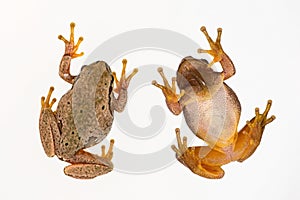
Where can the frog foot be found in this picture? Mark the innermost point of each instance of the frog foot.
(191, 158)
(182, 145)
(216, 49)
(46, 101)
(185, 155)
(70, 47)
(261, 120)
(124, 81)
(168, 91)
(109, 153)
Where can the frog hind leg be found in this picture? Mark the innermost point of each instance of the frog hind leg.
(201, 160)
(250, 135)
(85, 165)
(49, 131)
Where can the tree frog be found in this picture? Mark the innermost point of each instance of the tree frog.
(212, 112)
(84, 114)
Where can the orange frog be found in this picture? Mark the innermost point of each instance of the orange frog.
(212, 111)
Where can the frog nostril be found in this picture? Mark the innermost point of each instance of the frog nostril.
(103, 107)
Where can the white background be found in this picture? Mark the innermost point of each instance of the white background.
(262, 38)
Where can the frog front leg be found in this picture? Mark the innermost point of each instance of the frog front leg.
(172, 99)
(85, 165)
(121, 87)
(49, 131)
(218, 54)
(249, 136)
(70, 53)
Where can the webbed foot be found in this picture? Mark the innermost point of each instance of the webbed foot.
(191, 157)
(109, 153)
(124, 81)
(250, 136)
(70, 53)
(85, 165)
(45, 102)
(183, 154)
(216, 48)
(259, 122)
(218, 54)
(47, 124)
(70, 47)
(170, 92)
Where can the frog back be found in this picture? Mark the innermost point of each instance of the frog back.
(70, 141)
(84, 113)
(92, 103)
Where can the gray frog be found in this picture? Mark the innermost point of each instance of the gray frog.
(84, 115)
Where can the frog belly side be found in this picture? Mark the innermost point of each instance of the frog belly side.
(214, 119)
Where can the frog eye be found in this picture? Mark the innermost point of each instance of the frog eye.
(204, 60)
(83, 67)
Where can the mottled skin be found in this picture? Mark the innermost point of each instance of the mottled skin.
(212, 111)
(84, 115)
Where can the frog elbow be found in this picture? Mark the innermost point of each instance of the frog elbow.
(174, 107)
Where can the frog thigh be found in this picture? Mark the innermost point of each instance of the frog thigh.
(48, 130)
